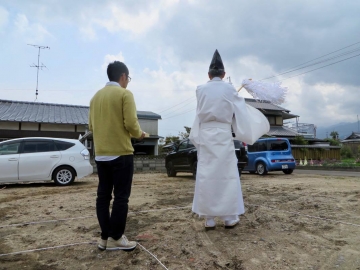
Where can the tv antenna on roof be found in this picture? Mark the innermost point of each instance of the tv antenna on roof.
(38, 66)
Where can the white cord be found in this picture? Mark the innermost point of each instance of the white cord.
(152, 255)
(47, 248)
(297, 213)
(84, 217)
(70, 245)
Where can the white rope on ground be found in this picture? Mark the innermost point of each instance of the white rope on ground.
(84, 217)
(47, 248)
(43, 221)
(152, 255)
(308, 216)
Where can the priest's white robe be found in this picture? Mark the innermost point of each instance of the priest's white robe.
(219, 107)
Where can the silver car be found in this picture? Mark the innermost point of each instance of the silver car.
(39, 159)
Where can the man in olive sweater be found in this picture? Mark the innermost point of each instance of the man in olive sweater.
(113, 121)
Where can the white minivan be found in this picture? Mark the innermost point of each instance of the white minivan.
(39, 159)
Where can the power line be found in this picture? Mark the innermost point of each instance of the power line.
(313, 64)
(180, 114)
(314, 59)
(176, 104)
(38, 66)
(322, 67)
(286, 78)
(168, 114)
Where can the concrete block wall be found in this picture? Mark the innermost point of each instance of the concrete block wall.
(144, 165)
(149, 165)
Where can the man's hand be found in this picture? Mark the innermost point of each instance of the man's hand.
(143, 134)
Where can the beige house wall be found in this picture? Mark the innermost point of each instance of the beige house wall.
(149, 126)
(57, 127)
(9, 125)
(81, 128)
(29, 126)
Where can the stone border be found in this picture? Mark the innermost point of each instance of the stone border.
(330, 168)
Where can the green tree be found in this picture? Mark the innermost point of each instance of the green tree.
(184, 135)
(171, 139)
(346, 152)
(300, 140)
(334, 135)
(333, 142)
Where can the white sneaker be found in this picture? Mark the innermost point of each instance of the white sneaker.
(122, 244)
(102, 244)
(231, 223)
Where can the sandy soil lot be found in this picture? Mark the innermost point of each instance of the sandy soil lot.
(278, 231)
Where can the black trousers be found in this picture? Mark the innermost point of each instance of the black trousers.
(114, 175)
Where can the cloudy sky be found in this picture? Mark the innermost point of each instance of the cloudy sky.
(168, 46)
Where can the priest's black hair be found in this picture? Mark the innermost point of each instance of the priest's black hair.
(115, 70)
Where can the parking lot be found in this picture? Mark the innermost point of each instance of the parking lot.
(297, 221)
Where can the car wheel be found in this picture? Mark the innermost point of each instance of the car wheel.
(240, 170)
(194, 168)
(288, 171)
(170, 170)
(64, 176)
(261, 168)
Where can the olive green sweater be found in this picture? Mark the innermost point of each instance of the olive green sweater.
(113, 120)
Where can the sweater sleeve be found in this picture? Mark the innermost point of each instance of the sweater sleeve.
(89, 120)
(130, 117)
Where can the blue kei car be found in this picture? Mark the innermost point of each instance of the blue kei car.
(270, 154)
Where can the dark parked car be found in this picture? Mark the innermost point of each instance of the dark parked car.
(183, 157)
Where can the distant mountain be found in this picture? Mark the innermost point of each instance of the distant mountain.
(344, 130)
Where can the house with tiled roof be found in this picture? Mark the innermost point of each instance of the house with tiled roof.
(353, 141)
(34, 119)
(276, 116)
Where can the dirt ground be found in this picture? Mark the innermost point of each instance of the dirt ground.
(291, 222)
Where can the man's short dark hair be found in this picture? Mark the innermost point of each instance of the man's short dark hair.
(115, 70)
(216, 72)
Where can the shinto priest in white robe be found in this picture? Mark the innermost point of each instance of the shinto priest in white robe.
(219, 107)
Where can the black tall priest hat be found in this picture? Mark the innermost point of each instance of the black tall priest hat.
(216, 63)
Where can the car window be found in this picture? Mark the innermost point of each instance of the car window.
(61, 146)
(252, 148)
(38, 146)
(262, 146)
(237, 144)
(190, 145)
(279, 145)
(257, 147)
(9, 148)
(183, 145)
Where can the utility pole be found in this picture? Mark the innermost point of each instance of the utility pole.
(38, 66)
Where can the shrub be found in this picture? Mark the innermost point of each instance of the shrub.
(346, 152)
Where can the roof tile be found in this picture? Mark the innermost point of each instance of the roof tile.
(23, 111)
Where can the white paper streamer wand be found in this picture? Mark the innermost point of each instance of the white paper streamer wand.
(272, 92)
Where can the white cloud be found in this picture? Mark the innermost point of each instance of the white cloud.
(88, 32)
(32, 32)
(4, 18)
(111, 58)
(136, 20)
